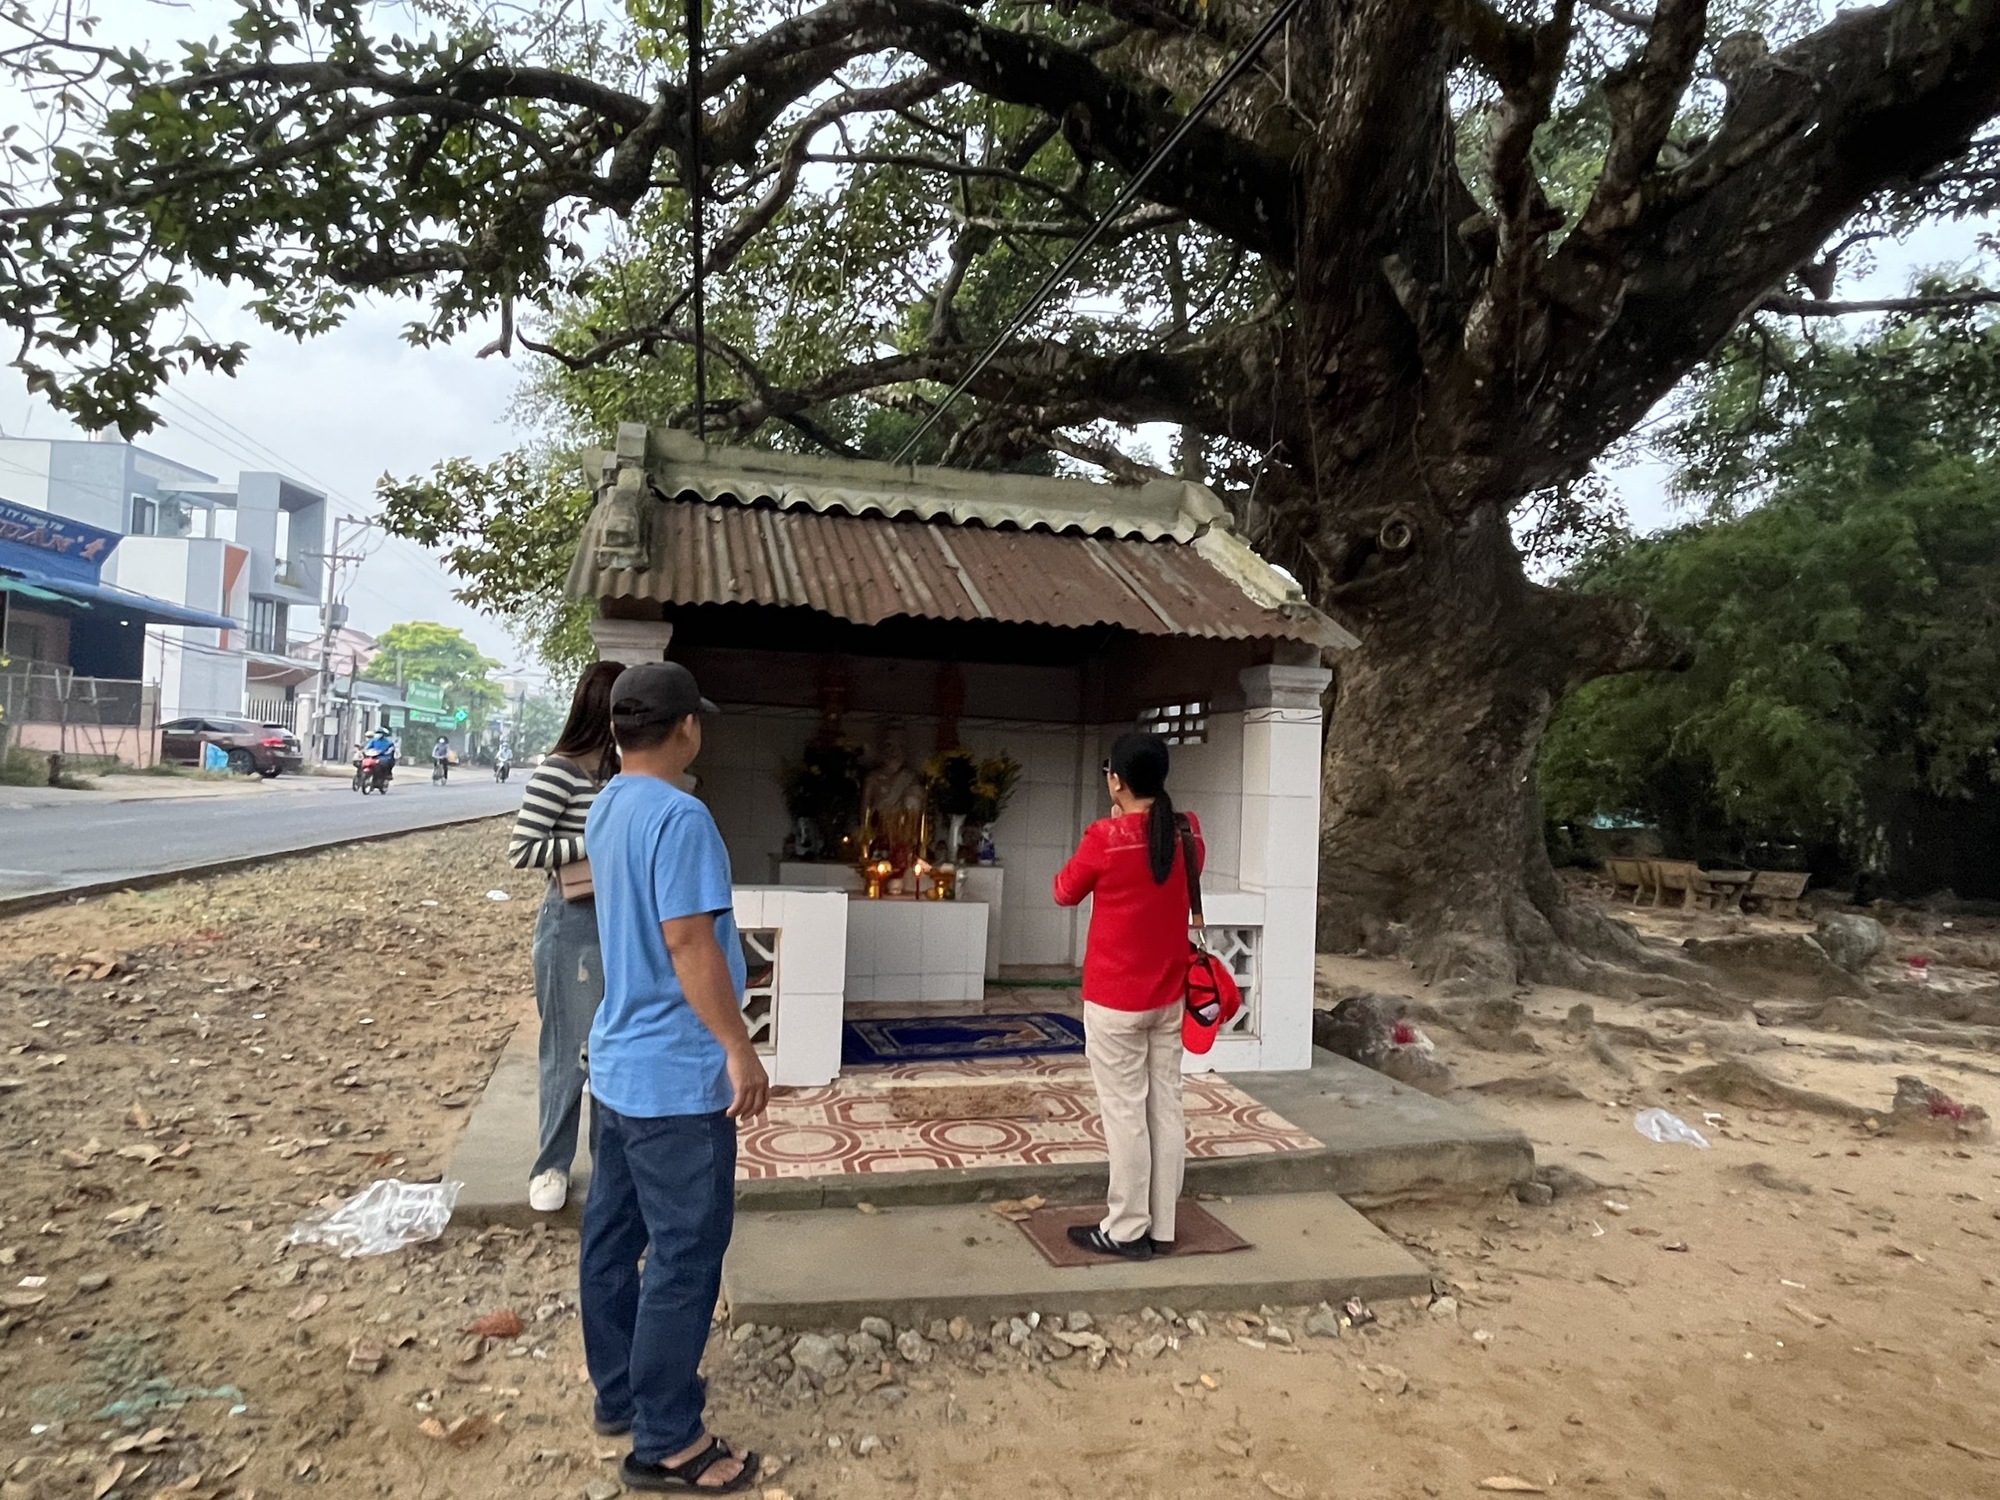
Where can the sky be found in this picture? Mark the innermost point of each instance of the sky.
(355, 404)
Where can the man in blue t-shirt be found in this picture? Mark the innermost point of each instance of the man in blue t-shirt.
(672, 1070)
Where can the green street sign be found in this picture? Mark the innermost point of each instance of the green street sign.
(425, 695)
(459, 717)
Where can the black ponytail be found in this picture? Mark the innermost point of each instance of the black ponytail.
(1140, 761)
(1163, 836)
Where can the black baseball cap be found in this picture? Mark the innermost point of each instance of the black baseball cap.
(655, 692)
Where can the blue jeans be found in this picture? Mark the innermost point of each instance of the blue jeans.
(665, 1187)
(569, 986)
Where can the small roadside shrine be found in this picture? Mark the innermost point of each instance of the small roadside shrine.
(921, 672)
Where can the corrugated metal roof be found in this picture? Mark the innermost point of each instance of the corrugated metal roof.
(678, 463)
(868, 569)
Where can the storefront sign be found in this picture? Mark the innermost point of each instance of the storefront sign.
(36, 542)
(425, 695)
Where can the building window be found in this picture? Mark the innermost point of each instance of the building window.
(1177, 723)
(268, 621)
(159, 515)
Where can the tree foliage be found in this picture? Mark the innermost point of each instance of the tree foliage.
(1843, 614)
(542, 717)
(423, 651)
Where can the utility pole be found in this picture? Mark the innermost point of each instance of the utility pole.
(328, 622)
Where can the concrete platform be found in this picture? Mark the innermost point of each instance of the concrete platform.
(1382, 1142)
(801, 1270)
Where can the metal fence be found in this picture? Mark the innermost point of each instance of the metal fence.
(44, 706)
(274, 708)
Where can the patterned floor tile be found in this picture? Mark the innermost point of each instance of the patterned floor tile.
(847, 1127)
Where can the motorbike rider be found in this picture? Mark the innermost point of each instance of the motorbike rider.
(441, 757)
(382, 746)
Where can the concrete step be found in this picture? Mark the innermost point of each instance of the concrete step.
(1380, 1141)
(909, 1265)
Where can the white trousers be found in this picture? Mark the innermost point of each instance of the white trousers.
(1135, 1061)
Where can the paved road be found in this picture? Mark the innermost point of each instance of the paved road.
(62, 848)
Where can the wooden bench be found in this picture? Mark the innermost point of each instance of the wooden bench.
(1776, 892)
(1679, 878)
(1627, 877)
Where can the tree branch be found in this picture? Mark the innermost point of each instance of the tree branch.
(1643, 100)
(1232, 186)
(1811, 134)
(1807, 307)
(1062, 195)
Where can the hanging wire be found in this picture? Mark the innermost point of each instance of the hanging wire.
(696, 215)
(1238, 65)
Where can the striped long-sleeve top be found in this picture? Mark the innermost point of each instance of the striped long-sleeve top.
(548, 831)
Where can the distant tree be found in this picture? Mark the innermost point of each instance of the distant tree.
(542, 716)
(508, 530)
(423, 651)
(1839, 604)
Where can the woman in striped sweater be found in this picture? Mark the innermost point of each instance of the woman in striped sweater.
(569, 970)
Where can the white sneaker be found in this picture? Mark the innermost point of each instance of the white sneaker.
(548, 1191)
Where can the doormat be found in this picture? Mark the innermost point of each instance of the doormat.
(968, 1101)
(956, 1038)
(1196, 1232)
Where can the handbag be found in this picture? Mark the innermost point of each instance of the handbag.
(1210, 996)
(573, 880)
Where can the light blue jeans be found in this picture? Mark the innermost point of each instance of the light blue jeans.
(569, 985)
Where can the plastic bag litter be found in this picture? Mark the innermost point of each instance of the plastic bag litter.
(1667, 1129)
(384, 1216)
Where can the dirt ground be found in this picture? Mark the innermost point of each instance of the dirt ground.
(1807, 1308)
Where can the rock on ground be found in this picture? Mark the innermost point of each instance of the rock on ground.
(1363, 1027)
(1850, 940)
(1920, 1108)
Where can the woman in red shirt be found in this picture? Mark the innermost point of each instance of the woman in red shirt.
(1134, 978)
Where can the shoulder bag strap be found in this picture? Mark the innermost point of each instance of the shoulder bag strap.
(1189, 860)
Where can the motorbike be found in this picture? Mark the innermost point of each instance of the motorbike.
(501, 767)
(373, 772)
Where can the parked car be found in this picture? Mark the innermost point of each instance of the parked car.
(265, 749)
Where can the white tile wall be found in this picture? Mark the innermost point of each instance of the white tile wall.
(1254, 784)
(906, 951)
(812, 963)
(1279, 860)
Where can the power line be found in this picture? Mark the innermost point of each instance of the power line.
(1239, 65)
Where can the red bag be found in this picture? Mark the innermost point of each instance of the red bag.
(1211, 997)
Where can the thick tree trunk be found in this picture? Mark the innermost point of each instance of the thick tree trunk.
(1431, 842)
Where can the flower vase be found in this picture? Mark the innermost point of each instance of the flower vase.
(957, 838)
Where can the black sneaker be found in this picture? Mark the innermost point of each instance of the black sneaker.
(1160, 1247)
(1092, 1238)
(604, 1427)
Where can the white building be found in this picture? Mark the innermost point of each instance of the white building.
(827, 602)
(253, 550)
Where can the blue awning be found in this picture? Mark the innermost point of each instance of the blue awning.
(129, 606)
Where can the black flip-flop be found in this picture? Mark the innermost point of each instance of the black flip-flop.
(685, 1476)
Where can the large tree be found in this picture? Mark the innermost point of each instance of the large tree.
(1419, 268)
